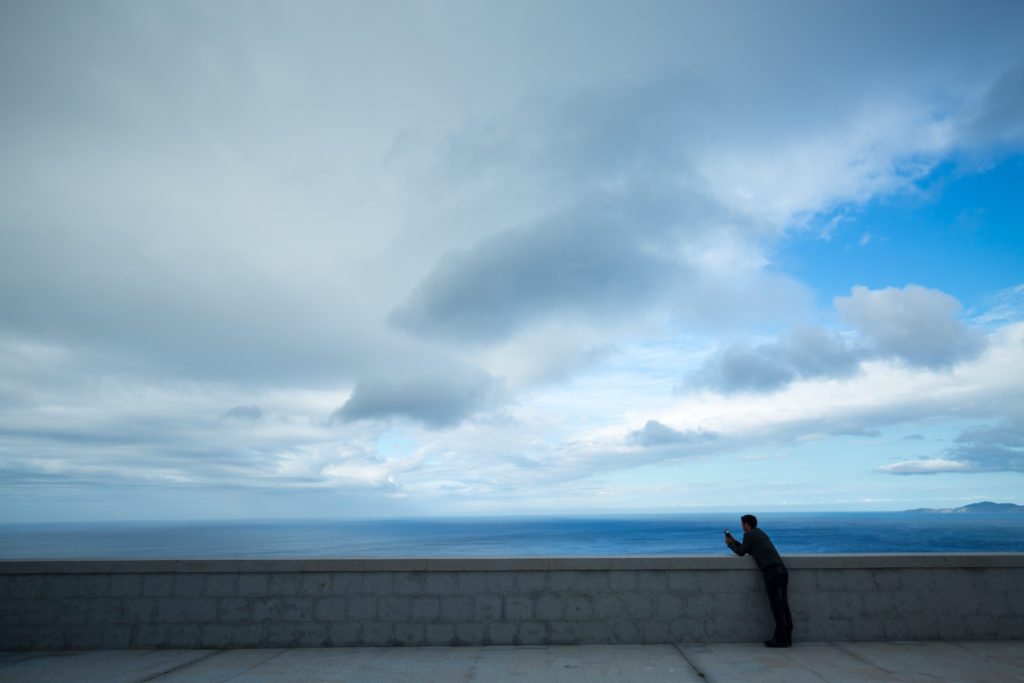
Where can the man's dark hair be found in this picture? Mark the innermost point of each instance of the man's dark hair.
(751, 520)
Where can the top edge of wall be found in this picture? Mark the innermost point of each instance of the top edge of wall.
(549, 563)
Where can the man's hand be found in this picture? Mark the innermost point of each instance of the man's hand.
(728, 540)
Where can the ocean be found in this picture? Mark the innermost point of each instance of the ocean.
(692, 534)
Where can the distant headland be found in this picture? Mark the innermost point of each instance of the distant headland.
(987, 507)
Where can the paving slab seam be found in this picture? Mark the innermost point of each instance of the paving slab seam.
(802, 665)
(473, 673)
(688, 662)
(844, 647)
(256, 665)
(153, 677)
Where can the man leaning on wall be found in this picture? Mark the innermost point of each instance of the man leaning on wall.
(776, 577)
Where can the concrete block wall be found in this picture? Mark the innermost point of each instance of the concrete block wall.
(54, 605)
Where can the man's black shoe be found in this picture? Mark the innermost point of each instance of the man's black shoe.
(777, 642)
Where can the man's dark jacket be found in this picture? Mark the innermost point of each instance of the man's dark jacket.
(757, 544)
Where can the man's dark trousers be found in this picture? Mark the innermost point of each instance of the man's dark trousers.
(776, 582)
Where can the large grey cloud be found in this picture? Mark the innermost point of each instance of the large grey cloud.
(805, 353)
(999, 448)
(655, 433)
(915, 324)
(584, 265)
(998, 118)
(440, 396)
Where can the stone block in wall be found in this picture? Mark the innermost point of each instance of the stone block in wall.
(282, 584)
(570, 582)
(92, 585)
(55, 586)
(105, 611)
(623, 581)
(469, 633)
(221, 585)
(346, 583)
(297, 634)
(579, 608)
(595, 632)
(440, 634)
(471, 583)
(158, 585)
(425, 609)
(652, 582)
(409, 583)
(549, 607)
(1011, 627)
(378, 633)
(234, 610)
(982, 626)
(456, 609)
(410, 633)
(394, 608)
(440, 584)
(193, 610)
(668, 606)
(531, 583)
(608, 607)
(362, 608)
(532, 633)
(346, 633)
(330, 609)
(378, 583)
(487, 608)
(502, 633)
(638, 605)
(518, 608)
(118, 636)
(125, 585)
(625, 632)
(654, 631)
(254, 584)
(499, 583)
(182, 636)
(148, 636)
(565, 633)
(189, 585)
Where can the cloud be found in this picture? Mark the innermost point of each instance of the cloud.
(930, 466)
(806, 353)
(250, 412)
(914, 324)
(438, 397)
(577, 265)
(998, 448)
(998, 118)
(979, 449)
(655, 433)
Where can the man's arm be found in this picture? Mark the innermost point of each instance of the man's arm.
(734, 545)
(744, 548)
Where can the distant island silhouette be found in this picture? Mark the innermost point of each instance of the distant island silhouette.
(987, 507)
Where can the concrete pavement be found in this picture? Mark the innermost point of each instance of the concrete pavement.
(961, 661)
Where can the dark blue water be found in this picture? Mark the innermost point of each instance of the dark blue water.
(490, 537)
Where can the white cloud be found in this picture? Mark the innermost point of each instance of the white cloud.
(931, 466)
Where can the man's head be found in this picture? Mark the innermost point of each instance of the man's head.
(748, 522)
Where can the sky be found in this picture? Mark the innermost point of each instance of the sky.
(394, 259)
